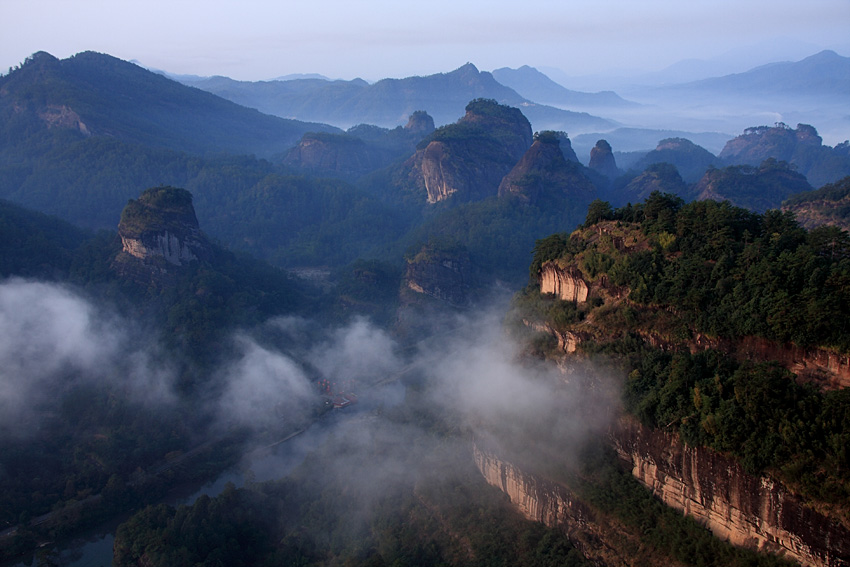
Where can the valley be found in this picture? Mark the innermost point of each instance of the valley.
(570, 346)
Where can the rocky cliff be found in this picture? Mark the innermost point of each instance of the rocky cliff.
(467, 160)
(567, 283)
(829, 205)
(601, 541)
(160, 234)
(544, 172)
(749, 511)
(802, 147)
(602, 160)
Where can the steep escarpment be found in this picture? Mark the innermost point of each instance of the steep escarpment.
(728, 326)
(598, 538)
(467, 160)
(747, 510)
(160, 234)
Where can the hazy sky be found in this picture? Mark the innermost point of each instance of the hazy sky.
(258, 39)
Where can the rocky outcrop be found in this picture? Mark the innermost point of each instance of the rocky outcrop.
(602, 160)
(441, 274)
(544, 172)
(801, 147)
(829, 205)
(757, 189)
(336, 154)
(749, 511)
(567, 283)
(466, 161)
(661, 177)
(689, 159)
(601, 540)
(159, 234)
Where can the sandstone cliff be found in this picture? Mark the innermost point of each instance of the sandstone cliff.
(756, 512)
(467, 160)
(160, 234)
(600, 539)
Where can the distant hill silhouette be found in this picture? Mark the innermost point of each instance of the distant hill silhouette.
(389, 102)
(537, 86)
(823, 74)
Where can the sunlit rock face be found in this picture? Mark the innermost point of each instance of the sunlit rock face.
(601, 541)
(159, 233)
(749, 511)
(567, 283)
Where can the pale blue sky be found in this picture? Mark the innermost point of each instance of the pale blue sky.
(259, 39)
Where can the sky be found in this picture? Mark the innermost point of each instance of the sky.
(373, 39)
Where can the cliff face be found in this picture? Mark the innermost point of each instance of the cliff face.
(567, 283)
(600, 541)
(756, 512)
(160, 233)
(467, 160)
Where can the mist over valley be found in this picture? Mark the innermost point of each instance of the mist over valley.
(459, 318)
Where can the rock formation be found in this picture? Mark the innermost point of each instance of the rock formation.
(544, 172)
(661, 177)
(567, 283)
(440, 273)
(602, 160)
(160, 235)
(757, 189)
(802, 147)
(689, 159)
(755, 512)
(467, 160)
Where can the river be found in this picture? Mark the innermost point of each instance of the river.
(94, 547)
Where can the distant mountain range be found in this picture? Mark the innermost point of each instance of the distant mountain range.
(389, 102)
(534, 85)
(92, 94)
(825, 74)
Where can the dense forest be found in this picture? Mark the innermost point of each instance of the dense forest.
(710, 269)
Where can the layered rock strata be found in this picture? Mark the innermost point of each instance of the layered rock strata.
(749, 511)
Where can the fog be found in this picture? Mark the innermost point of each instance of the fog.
(421, 406)
(52, 338)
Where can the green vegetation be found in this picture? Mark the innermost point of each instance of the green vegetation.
(731, 273)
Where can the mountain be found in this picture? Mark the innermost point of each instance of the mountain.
(755, 188)
(543, 171)
(802, 147)
(361, 150)
(825, 74)
(644, 139)
(389, 102)
(534, 85)
(690, 159)
(97, 95)
(730, 328)
(467, 160)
